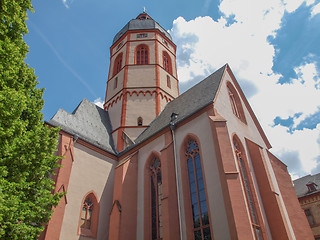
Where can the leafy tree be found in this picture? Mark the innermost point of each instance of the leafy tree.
(27, 146)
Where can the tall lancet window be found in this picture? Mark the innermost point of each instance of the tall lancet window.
(235, 103)
(167, 62)
(156, 195)
(249, 192)
(89, 216)
(142, 54)
(117, 64)
(201, 223)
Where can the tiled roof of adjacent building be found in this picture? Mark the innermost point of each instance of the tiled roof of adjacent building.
(138, 24)
(89, 122)
(185, 105)
(300, 184)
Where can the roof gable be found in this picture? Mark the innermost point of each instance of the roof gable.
(248, 107)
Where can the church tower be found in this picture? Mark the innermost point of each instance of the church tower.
(142, 78)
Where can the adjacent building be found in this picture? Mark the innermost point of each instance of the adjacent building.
(154, 164)
(308, 192)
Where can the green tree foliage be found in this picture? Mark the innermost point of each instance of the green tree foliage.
(26, 145)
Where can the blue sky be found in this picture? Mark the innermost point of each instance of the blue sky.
(272, 47)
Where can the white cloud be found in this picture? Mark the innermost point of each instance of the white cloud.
(98, 102)
(243, 44)
(67, 3)
(315, 10)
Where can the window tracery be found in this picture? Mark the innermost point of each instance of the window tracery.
(201, 222)
(86, 214)
(89, 216)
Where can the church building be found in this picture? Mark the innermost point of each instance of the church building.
(154, 164)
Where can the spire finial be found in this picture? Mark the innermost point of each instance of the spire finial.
(144, 9)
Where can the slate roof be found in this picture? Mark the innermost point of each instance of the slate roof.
(300, 184)
(137, 24)
(89, 122)
(188, 103)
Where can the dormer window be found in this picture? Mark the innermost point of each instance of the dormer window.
(311, 186)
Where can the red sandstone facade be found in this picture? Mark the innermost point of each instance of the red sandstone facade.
(201, 169)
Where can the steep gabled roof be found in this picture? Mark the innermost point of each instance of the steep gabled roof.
(188, 103)
(300, 185)
(89, 122)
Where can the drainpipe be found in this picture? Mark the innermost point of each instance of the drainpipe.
(172, 128)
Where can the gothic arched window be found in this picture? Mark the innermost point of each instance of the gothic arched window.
(142, 54)
(156, 195)
(117, 64)
(89, 216)
(140, 122)
(86, 213)
(235, 103)
(249, 192)
(201, 223)
(167, 62)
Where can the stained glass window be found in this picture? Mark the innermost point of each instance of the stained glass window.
(156, 195)
(86, 214)
(199, 206)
